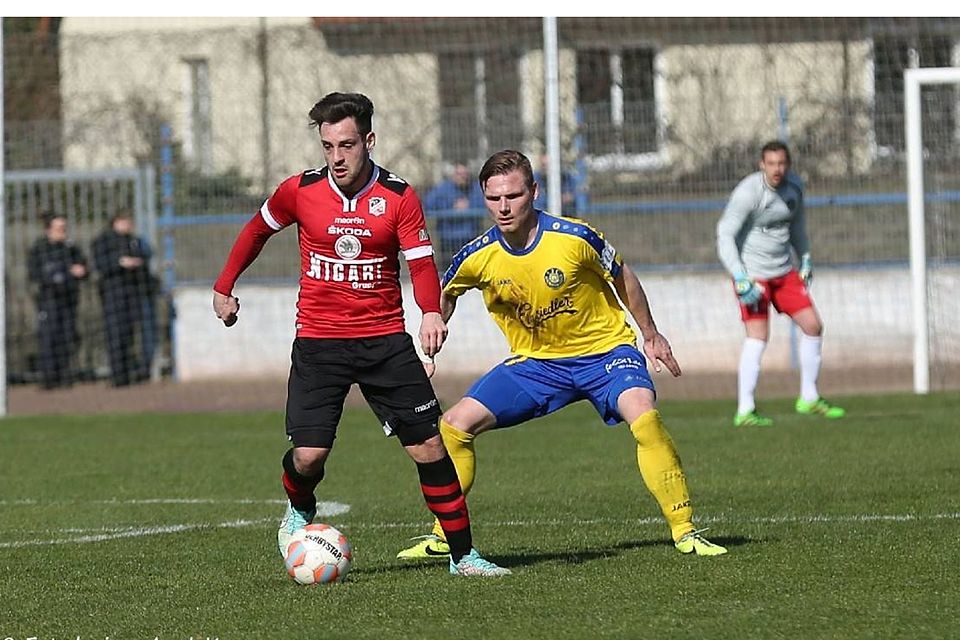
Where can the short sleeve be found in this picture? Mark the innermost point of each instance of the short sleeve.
(280, 209)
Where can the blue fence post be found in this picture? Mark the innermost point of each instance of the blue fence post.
(167, 222)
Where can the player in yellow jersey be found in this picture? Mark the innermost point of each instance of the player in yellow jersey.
(552, 285)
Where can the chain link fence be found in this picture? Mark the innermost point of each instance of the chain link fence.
(660, 117)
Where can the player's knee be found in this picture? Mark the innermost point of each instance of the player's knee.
(469, 416)
(426, 451)
(648, 429)
(309, 461)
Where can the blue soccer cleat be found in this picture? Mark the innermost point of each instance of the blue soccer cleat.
(472, 565)
(293, 520)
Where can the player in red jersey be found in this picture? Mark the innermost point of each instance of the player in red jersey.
(353, 218)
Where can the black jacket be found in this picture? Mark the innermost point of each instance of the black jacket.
(108, 248)
(48, 268)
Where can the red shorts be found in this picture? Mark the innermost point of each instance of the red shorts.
(787, 293)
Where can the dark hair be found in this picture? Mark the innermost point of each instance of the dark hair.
(336, 106)
(121, 214)
(503, 162)
(774, 146)
(49, 216)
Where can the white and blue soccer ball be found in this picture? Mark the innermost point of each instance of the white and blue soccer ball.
(318, 554)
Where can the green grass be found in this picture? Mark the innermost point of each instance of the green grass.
(836, 530)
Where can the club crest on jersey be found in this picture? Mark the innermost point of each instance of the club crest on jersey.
(608, 256)
(554, 278)
(347, 247)
(378, 206)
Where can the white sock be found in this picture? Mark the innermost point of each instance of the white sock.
(809, 366)
(749, 373)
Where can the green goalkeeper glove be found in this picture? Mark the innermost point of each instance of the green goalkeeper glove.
(806, 268)
(747, 290)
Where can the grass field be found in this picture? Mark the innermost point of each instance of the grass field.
(164, 526)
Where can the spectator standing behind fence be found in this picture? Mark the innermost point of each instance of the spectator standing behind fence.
(762, 230)
(460, 192)
(568, 190)
(55, 267)
(121, 259)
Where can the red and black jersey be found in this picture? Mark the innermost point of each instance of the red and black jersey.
(349, 262)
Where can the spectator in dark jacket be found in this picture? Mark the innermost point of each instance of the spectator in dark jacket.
(55, 267)
(126, 290)
(459, 193)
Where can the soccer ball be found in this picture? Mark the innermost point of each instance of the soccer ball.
(317, 554)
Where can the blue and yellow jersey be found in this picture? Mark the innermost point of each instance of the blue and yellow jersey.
(553, 299)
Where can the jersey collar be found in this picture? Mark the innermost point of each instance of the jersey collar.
(533, 245)
(350, 204)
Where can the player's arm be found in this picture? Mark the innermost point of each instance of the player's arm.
(800, 241)
(739, 207)
(655, 345)
(276, 213)
(418, 252)
(426, 292)
(246, 248)
(448, 304)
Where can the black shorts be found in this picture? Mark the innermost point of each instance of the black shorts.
(391, 378)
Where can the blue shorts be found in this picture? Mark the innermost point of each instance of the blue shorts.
(519, 389)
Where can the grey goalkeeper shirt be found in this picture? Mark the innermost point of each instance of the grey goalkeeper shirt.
(759, 226)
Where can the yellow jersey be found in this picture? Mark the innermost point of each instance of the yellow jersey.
(553, 299)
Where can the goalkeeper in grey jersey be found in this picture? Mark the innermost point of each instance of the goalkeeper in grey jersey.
(762, 227)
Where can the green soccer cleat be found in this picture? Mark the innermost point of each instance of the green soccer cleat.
(472, 565)
(693, 542)
(819, 407)
(430, 546)
(293, 520)
(751, 419)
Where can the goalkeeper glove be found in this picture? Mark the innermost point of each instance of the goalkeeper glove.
(747, 290)
(806, 268)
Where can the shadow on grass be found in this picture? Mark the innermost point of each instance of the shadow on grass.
(535, 557)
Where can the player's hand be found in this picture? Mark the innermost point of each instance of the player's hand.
(433, 333)
(806, 269)
(430, 368)
(747, 290)
(226, 308)
(657, 349)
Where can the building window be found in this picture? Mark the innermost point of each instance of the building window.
(198, 137)
(617, 98)
(890, 57)
(479, 104)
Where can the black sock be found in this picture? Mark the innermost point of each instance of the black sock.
(441, 490)
(299, 487)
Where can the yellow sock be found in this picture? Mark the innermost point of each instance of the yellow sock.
(662, 472)
(459, 445)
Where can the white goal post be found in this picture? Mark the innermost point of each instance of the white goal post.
(913, 79)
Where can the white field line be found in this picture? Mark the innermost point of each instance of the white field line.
(114, 501)
(135, 533)
(117, 533)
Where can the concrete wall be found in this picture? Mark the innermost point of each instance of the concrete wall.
(867, 315)
(718, 95)
(119, 76)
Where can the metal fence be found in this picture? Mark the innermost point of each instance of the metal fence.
(659, 119)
